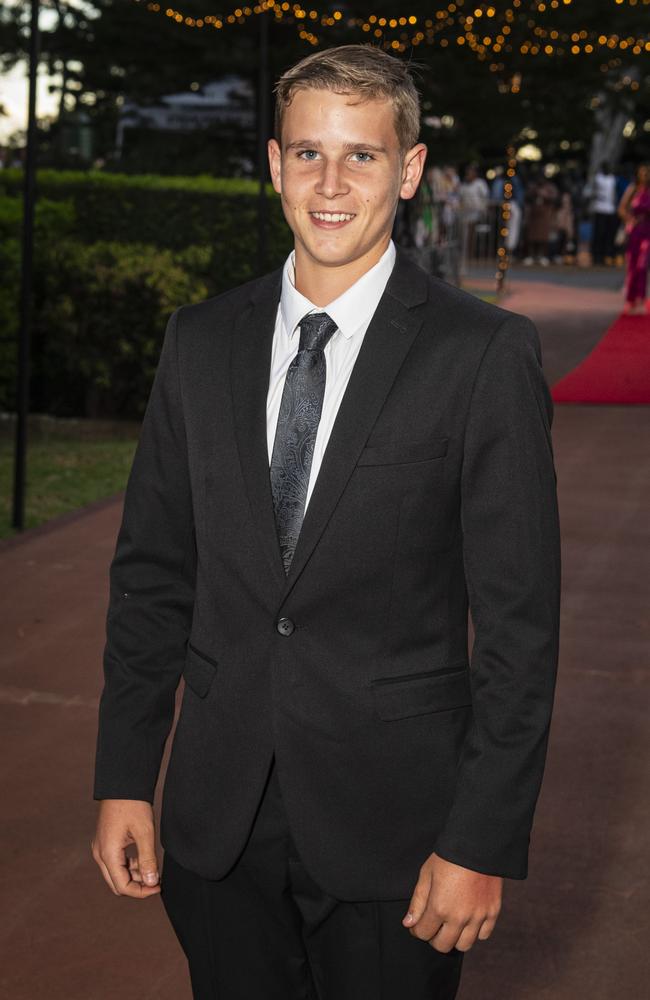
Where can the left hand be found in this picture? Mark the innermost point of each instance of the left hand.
(452, 906)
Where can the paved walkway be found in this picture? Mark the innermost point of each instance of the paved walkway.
(574, 928)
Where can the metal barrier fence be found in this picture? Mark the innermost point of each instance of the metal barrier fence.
(453, 245)
(435, 244)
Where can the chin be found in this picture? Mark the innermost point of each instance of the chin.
(337, 259)
(330, 256)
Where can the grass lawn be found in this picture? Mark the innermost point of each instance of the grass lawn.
(64, 471)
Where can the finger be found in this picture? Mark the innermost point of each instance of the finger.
(467, 937)
(429, 924)
(134, 870)
(419, 899)
(107, 878)
(446, 937)
(486, 929)
(119, 873)
(147, 862)
(102, 867)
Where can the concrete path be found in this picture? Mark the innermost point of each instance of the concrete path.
(577, 927)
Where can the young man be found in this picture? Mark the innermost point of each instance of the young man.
(336, 461)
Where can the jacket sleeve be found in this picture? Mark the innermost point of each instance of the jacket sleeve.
(151, 596)
(511, 553)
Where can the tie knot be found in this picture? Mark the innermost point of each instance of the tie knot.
(315, 330)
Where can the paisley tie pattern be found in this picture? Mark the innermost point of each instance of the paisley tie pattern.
(295, 434)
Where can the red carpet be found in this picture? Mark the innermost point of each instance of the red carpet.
(616, 371)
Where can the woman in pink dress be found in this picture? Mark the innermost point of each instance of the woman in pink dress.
(634, 209)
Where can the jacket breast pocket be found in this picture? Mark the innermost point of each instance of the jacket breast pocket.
(199, 670)
(421, 693)
(402, 452)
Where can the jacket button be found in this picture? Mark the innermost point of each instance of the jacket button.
(285, 626)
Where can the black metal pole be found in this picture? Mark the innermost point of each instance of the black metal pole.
(22, 384)
(262, 137)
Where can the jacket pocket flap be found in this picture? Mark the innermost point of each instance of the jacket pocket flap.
(199, 671)
(419, 694)
(402, 452)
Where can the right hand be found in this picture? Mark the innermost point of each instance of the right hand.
(122, 822)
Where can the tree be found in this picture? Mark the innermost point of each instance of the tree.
(485, 92)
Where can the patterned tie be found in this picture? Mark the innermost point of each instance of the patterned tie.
(295, 434)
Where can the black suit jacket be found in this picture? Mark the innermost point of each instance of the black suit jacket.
(437, 491)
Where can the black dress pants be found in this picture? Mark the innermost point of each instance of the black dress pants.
(604, 233)
(267, 931)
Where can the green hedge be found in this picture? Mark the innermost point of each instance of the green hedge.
(99, 316)
(172, 212)
(106, 306)
(114, 256)
(52, 217)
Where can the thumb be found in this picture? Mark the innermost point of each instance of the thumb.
(418, 899)
(147, 861)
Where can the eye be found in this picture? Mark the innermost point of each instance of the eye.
(307, 154)
(367, 157)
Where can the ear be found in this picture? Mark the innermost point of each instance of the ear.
(275, 164)
(412, 169)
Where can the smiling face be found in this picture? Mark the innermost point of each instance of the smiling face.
(340, 173)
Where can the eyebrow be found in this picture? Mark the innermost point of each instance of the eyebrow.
(349, 147)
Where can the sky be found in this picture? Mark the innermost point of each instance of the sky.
(13, 97)
(14, 90)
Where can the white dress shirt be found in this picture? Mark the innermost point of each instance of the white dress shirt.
(604, 194)
(352, 313)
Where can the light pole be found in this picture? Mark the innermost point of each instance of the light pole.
(262, 135)
(24, 333)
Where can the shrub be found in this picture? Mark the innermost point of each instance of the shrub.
(172, 212)
(114, 255)
(99, 327)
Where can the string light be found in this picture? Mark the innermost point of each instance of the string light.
(476, 26)
(504, 222)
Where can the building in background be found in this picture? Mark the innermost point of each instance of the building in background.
(219, 118)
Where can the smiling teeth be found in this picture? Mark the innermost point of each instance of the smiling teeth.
(332, 216)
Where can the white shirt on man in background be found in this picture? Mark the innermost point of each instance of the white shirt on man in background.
(474, 198)
(603, 193)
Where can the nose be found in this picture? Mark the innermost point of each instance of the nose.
(331, 180)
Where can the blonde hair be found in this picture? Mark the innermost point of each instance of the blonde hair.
(363, 71)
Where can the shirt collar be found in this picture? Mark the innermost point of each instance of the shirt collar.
(352, 310)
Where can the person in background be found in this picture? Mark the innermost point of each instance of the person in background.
(564, 247)
(605, 220)
(449, 194)
(624, 177)
(634, 210)
(583, 223)
(541, 205)
(427, 225)
(474, 197)
(446, 192)
(436, 230)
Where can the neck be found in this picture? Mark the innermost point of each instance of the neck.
(322, 284)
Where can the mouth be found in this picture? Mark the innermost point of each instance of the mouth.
(331, 220)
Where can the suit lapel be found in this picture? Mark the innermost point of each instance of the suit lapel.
(387, 341)
(250, 369)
